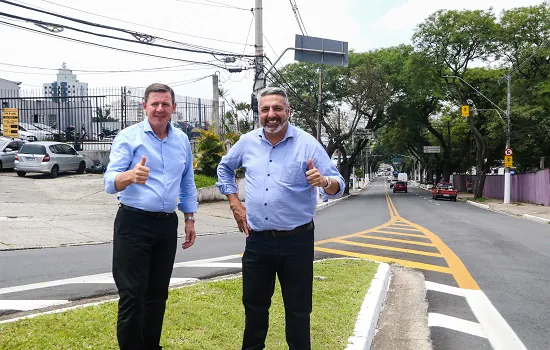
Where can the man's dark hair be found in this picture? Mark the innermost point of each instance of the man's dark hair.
(157, 87)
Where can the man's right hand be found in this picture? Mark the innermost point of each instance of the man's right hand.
(140, 173)
(239, 213)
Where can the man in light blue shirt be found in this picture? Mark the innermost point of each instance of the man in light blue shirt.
(150, 166)
(284, 166)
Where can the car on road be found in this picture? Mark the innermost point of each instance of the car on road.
(8, 149)
(444, 190)
(400, 186)
(48, 157)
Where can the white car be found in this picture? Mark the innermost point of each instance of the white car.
(8, 149)
(48, 157)
(30, 132)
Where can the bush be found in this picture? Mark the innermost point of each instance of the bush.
(209, 152)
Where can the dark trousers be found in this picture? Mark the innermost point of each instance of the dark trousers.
(144, 249)
(290, 258)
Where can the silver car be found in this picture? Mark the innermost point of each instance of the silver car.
(48, 157)
(8, 149)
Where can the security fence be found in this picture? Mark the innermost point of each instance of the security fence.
(90, 118)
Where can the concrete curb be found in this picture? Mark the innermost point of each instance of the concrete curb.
(479, 205)
(536, 218)
(367, 319)
(335, 201)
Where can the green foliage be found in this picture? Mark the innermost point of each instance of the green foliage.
(209, 151)
(202, 180)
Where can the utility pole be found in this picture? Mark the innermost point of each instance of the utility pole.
(216, 105)
(259, 77)
(320, 103)
(507, 179)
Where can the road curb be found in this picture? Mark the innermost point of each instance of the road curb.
(536, 218)
(335, 201)
(367, 319)
(479, 205)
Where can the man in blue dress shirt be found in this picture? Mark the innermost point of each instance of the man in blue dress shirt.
(284, 165)
(150, 166)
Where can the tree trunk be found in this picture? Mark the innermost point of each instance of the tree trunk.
(478, 193)
(481, 150)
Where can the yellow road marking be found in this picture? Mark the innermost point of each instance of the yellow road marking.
(411, 264)
(402, 228)
(398, 223)
(397, 240)
(401, 234)
(376, 246)
(460, 273)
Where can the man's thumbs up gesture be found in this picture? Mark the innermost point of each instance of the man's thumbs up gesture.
(140, 172)
(313, 176)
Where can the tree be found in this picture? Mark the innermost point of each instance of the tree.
(103, 115)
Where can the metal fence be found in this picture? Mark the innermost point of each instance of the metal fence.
(524, 187)
(92, 117)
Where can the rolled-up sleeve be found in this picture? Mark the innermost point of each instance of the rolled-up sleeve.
(322, 162)
(226, 169)
(120, 158)
(188, 190)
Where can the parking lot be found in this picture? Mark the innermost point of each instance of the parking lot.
(37, 211)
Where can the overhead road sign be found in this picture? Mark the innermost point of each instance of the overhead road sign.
(432, 149)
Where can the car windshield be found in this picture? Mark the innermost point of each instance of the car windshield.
(446, 186)
(33, 149)
(29, 126)
(401, 183)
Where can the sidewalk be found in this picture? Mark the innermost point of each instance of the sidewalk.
(535, 212)
(77, 211)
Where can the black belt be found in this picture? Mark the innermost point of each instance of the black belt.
(154, 214)
(275, 233)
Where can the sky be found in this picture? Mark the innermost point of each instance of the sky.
(364, 24)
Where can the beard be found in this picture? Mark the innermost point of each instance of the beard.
(273, 128)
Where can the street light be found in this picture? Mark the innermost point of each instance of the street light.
(507, 112)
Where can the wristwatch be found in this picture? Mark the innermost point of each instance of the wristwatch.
(187, 218)
(329, 181)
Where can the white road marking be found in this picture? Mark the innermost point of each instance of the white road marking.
(108, 277)
(27, 305)
(437, 204)
(454, 323)
(500, 334)
(493, 326)
(429, 200)
(444, 288)
(220, 264)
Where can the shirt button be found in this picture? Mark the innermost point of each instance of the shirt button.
(268, 174)
(270, 160)
(267, 189)
(266, 218)
(265, 203)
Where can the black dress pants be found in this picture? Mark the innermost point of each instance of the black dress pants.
(291, 259)
(144, 249)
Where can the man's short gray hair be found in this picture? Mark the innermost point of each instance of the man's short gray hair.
(273, 90)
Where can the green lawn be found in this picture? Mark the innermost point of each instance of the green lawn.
(204, 181)
(207, 315)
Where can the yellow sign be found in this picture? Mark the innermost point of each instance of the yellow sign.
(465, 111)
(10, 122)
(508, 161)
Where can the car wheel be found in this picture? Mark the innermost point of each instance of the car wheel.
(54, 172)
(393, 191)
(405, 191)
(81, 168)
(0, 165)
(21, 173)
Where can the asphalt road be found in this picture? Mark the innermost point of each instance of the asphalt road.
(485, 272)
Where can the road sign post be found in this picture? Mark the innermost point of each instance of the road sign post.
(508, 152)
(508, 161)
(10, 121)
(432, 149)
(465, 111)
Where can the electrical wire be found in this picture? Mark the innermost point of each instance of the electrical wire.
(101, 71)
(108, 47)
(298, 17)
(141, 37)
(227, 5)
(141, 25)
(222, 5)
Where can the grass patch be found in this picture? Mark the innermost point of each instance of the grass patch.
(208, 315)
(202, 180)
(480, 200)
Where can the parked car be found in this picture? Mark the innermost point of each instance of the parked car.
(400, 186)
(8, 150)
(48, 157)
(32, 133)
(444, 190)
(57, 134)
(392, 182)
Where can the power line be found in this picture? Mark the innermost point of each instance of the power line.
(141, 25)
(219, 4)
(188, 81)
(248, 35)
(98, 71)
(141, 37)
(298, 17)
(515, 70)
(109, 47)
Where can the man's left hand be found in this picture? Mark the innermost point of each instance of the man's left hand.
(313, 175)
(190, 234)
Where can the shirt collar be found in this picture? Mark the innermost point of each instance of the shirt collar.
(290, 132)
(147, 127)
